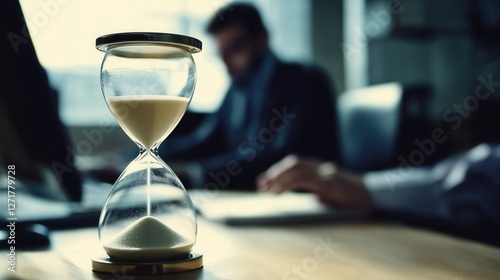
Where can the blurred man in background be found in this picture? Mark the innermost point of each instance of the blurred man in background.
(271, 109)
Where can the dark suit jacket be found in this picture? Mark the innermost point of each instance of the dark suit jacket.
(295, 114)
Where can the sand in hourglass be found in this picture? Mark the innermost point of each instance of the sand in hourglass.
(147, 239)
(147, 119)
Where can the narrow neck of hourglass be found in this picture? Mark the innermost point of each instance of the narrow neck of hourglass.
(149, 156)
(151, 151)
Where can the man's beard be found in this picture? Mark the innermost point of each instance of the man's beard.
(244, 78)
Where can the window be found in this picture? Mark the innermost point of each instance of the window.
(64, 33)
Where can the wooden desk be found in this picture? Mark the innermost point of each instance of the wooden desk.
(335, 251)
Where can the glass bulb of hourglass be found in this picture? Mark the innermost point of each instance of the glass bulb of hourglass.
(148, 215)
(148, 119)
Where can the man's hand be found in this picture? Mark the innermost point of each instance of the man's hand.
(334, 187)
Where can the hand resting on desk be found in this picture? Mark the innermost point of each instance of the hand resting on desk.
(335, 187)
(459, 194)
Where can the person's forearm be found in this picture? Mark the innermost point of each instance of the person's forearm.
(411, 193)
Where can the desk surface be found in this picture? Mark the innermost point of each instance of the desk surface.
(333, 251)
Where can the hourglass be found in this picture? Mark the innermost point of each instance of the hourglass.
(148, 223)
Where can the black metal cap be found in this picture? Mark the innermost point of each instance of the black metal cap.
(190, 44)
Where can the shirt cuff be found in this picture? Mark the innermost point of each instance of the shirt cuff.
(403, 193)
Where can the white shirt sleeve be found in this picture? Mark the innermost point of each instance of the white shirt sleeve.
(409, 190)
(421, 190)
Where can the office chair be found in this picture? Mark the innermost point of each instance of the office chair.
(379, 123)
